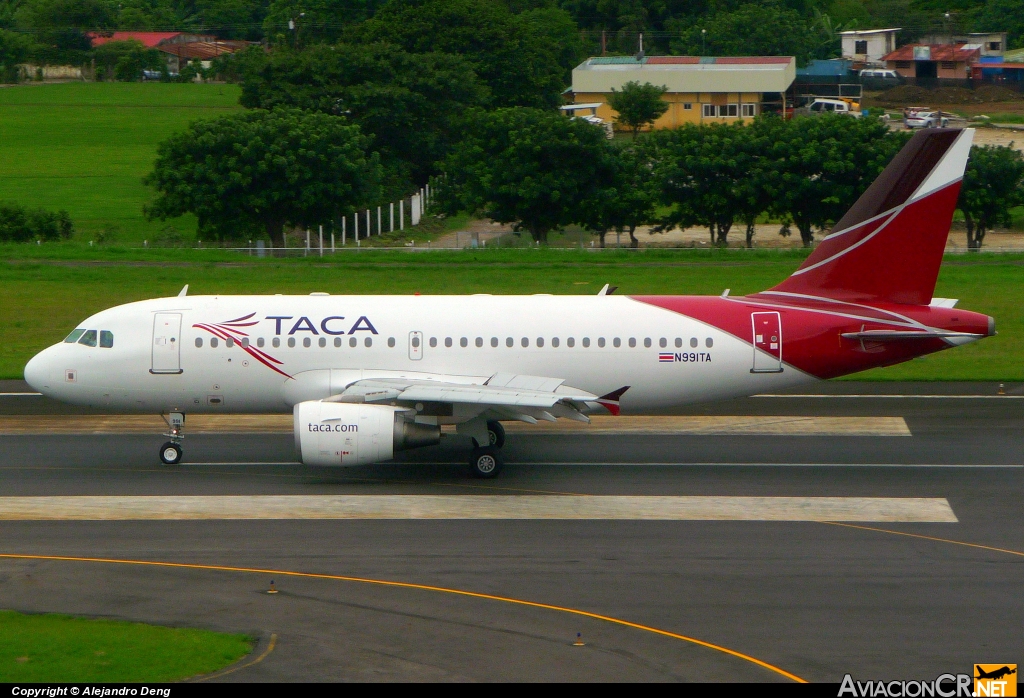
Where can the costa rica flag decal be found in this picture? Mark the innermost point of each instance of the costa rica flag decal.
(665, 357)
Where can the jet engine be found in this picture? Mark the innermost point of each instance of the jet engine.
(342, 433)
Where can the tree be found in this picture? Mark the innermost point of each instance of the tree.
(638, 105)
(761, 29)
(625, 200)
(412, 106)
(822, 164)
(524, 59)
(993, 184)
(1003, 16)
(14, 49)
(754, 191)
(532, 168)
(18, 224)
(125, 60)
(304, 22)
(700, 170)
(264, 169)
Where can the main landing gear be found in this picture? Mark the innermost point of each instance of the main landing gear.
(485, 461)
(170, 452)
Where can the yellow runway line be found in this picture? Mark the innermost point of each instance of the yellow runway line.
(421, 587)
(283, 424)
(931, 538)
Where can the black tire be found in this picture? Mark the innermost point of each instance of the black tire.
(170, 453)
(496, 433)
(485, 462)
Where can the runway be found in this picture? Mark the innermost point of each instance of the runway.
(735, 595)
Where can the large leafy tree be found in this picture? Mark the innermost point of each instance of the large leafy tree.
(535, 169)
(411, 105)
(524, 59)
(306, 22)
(638, 105)
(261, 170)
(14, 49)
(822, 164)
(754, 29)
(627, 198)
(993, 184)
(1003, 16)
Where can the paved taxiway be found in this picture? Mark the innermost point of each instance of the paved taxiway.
(811, 598)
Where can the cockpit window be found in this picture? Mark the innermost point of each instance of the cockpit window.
(106, 339)
(73, 337)
(88, 339)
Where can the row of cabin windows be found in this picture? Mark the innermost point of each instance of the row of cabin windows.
(463, 342)
(88, 338)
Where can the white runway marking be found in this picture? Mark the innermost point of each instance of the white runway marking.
(904, 397)
(21, 394)
(511, 507)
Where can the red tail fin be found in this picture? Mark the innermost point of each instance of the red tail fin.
(888, 246)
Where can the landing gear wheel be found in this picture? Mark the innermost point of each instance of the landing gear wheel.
(485, 462)
(170, 453)
(496, 433)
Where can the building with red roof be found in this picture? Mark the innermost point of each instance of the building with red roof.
(948, 61)
(148, 39)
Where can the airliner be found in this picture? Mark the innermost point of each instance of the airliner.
(368, 376)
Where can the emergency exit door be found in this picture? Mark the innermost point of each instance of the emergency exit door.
(166, 343)
(767, 342)
(415, 346)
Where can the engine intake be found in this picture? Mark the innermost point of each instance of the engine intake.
(340, 433)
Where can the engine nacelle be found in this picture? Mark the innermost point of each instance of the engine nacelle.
(343, 433)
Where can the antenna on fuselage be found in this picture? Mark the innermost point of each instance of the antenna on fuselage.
(183, 292)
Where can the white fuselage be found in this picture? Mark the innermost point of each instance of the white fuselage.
(594, 343)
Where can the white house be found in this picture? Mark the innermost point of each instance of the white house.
(868, 45)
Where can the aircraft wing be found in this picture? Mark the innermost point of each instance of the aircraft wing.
(504, 396)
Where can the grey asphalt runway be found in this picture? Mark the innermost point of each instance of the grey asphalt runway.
(809, 598)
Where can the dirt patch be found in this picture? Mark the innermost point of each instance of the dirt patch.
(910, 95)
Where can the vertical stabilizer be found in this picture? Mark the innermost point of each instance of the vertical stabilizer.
(889, 245)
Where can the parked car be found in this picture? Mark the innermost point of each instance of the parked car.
(880, 74)
(920, 118)
(823, 105)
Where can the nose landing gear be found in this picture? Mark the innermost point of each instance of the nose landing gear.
(170, 452)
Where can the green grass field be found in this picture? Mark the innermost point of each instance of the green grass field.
(57, 648)
(46, 299)
(85, 147)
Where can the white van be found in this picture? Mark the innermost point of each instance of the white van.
(823, 105)
(880, 74)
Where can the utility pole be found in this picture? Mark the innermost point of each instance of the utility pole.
(604, 42)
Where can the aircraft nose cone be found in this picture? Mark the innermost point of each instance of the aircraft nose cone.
(37, 372)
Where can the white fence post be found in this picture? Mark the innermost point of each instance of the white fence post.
(332, 238)
(355, 225)
(343, 235)
(369, 229)
(414, 209)
(321, 241)
(401, 214)
(307, 240)
(379, 230)
(392, 207)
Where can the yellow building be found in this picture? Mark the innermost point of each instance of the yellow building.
(699, 89)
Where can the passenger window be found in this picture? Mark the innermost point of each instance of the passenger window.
(306, 342)
(600, 342)
(479, 341)
(586, 341)
(679, 342)
(245, 342)
(525, 341)
(199, 342)
(554, 341)
(433, 342)
(693, 342)
(709, 342)
(88, 339)
(570, 342)
(494, 341)
(230, 342)
(509, 342)
(617, 342)
(291, 342)
(322, 342)
(632, 342)
(352, 341)
(391, 341)
(259, 342)
(448, 342)
(368, 342)
(276, 342)
(415, 342)
(214, 342)
(463, 342)
(73, 337)
(337, 341)
(540, 341)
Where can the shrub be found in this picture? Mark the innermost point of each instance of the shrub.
(18, 224)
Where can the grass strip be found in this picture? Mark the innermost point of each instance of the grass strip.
(59, 648)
